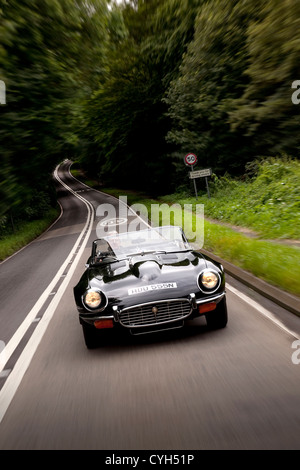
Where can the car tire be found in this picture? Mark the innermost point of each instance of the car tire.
(90, 335)
(218, 318)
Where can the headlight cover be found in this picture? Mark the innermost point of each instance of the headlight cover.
(209, 281)
(94, 299)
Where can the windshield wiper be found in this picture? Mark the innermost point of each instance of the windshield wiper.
(143, 253)
(180, 251)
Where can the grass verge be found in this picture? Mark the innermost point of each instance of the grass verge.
(26, 232)
(275, 263)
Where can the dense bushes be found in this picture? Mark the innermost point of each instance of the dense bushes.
(268, 201)
(38, 207)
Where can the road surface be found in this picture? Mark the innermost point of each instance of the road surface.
(236, 388)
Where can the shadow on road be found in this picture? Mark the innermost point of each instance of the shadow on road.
(114, 341)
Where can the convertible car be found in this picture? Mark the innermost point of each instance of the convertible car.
(148, 281)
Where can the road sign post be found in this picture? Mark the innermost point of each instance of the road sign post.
(201, 174)
(195, 187)
(190, 160)
(207, 187)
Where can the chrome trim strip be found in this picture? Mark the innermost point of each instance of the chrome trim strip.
(116, 312)
(210, 299)
(154, 302)
(192, 298)
(90, 318)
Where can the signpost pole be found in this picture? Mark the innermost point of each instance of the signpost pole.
(207, 187)
(204, 173)
(195, 187)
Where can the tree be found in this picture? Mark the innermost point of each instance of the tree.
(211, 76)
(265, 111)
(126, 122)
(48, 66)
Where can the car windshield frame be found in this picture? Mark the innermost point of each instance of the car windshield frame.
(157, 240)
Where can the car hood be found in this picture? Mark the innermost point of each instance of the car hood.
(138, 279)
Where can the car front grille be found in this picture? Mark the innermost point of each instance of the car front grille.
(158, 313)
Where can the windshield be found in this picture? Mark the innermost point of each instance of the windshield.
(165, 239)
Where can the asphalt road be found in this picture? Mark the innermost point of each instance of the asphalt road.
(235, 388)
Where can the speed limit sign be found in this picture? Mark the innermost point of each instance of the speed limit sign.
(190, 159)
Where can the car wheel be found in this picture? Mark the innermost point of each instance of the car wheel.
(218, 318)
(91, 336)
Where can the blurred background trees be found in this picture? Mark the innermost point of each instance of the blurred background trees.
(51, 55)
(126, 120)
(129, 88)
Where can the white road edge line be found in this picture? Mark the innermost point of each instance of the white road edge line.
(14, 379)
(263, 311)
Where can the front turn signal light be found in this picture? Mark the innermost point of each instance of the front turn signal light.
(203, 308)
(101, 324)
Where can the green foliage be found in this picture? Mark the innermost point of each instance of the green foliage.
(212, 74)
(275, 263)
(123, 132)
(27, 231)
(265, 111)
(48, 67)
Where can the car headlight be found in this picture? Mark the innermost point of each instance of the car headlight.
(92, 299)
(209, 281)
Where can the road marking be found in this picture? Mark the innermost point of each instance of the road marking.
(15, 377)
(114, 222)
(263, 311)
(117, 199)
(3, 359)
(5, 373)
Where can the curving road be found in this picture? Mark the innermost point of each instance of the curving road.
(236, 388)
